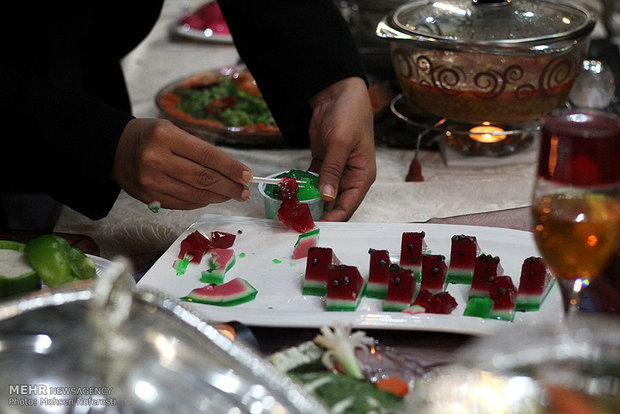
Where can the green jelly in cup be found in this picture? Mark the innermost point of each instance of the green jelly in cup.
(307, 191)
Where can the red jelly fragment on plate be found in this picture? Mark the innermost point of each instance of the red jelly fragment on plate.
(442, 302)
(194, 245)
(291, 212)
(221, 240)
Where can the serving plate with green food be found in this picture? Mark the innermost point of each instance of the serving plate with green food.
(221, 106)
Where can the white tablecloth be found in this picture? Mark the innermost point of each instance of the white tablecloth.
(131, 228)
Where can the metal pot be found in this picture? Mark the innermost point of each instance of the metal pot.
(110, 348)
(499, 61)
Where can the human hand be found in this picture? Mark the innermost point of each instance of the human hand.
(342, 145)
(155, 160)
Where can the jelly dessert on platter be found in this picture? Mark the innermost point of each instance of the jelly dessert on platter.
(412, 248)
(534, 285)
(231, 293)
(401, 289)
(486, 269)
(345, 288)
(433, 272)
(378, 273)
(503, 293)
(221, 261)
(317, 264)
(463, 252)
(304, 242)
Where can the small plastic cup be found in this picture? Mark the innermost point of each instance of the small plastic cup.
(272, 205)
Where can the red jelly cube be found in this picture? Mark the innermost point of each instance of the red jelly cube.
(317, 264)
(486, 269)
(503, 293)
(412, 248)
(378, 273)
(463, 252)
(345, 287)
(401, 289)
(433, 272)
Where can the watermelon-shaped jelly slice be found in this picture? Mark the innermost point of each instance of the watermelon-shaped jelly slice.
(401, 289)
(486, 269)
(535, 283)
(221, 261)
(503, 293)
(433, 272)
(305, 242)
(233, 292)
(463, 252)
(378, 274)
(317, 264)
(345, 288)
(412, 248)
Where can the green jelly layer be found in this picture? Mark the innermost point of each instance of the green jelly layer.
(503, 315)
(532, 302)
(376, 290)
(314, 288)
(480, 307)
(390, 306)
(460, 277)
(232, 301)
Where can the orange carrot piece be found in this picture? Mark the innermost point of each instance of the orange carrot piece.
(393, 385)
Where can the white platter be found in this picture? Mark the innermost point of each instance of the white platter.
(264, 257)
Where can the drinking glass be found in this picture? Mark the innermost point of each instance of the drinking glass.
(576, 202)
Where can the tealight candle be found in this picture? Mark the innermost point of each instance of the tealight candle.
(487, 133)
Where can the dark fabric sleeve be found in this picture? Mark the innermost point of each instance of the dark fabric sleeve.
(294, 49)
(65, 97)
(64, 144)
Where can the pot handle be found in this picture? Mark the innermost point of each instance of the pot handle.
(112, 297)
(385, 31)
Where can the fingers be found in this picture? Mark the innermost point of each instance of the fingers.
(156, 160)
(332, 167)
(213, 159)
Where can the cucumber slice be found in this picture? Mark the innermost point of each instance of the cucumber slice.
(16, 273)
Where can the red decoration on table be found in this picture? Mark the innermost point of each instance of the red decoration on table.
(415, 171)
